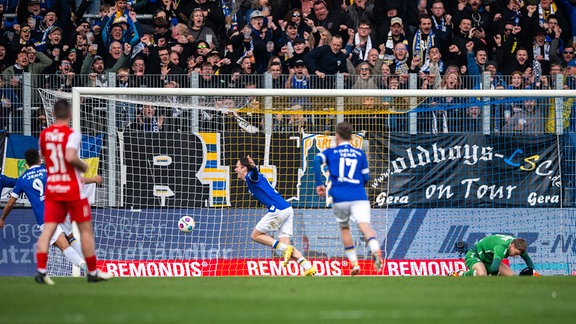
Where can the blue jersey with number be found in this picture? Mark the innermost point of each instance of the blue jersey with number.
(348, 167)
(262, 190)
(32, 183)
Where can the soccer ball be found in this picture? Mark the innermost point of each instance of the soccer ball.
(186, 224)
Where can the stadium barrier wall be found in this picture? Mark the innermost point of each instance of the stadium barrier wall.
(135, 248)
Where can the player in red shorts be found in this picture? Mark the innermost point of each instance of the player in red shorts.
(60, 146)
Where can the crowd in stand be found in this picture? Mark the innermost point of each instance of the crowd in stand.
(375, 44)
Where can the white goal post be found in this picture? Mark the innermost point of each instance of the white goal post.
(429, 188)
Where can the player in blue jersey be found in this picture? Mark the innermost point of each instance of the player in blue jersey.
(348, 167)
(279, 218)
(32, 183)
(6, 182)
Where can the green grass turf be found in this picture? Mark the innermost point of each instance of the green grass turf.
(291, 300)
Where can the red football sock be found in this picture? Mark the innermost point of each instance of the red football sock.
(91, 263)
(42, 261)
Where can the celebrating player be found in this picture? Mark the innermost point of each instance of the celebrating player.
(486, 256)
(60, 146)
(348, 167)
(279, 218)
(33, 183)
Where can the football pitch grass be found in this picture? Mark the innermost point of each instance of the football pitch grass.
(291, 300)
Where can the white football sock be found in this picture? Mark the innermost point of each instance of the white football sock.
(75, 244)
(73, 256)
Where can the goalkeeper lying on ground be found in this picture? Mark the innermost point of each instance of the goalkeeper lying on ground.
(486, 256)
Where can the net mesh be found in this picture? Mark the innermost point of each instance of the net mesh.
(163, 157)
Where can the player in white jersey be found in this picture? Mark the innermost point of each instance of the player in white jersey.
(348, 168)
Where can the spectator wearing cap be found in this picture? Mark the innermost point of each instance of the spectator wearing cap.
(251, 42)
(541, 49)
(30, 16)
(385, 11)
(53, 48)
(300, 51)
(496, 79)
(299, 78)
(219, 66)
(333, 20)
(261, 6)
(75, 61)
(395, 35)
(200, 31)
(121, 27)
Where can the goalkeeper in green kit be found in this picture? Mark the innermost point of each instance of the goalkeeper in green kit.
(485, 257)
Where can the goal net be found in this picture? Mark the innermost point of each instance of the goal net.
(445, 166)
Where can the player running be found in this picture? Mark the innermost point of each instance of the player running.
(486, 256)
(33, 183)
(279, 218)
(60, 146)
(348, 167)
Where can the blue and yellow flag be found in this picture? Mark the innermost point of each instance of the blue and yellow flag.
(17, 145)
(90, 153)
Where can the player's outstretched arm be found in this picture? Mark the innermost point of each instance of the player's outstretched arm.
(72, 158)
(528, 260)
(96, 179)
(7, 210)
(254, 174)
